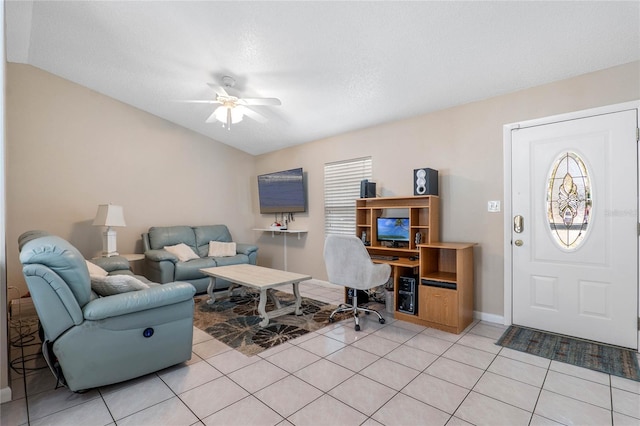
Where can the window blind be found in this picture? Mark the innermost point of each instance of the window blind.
(341, 188)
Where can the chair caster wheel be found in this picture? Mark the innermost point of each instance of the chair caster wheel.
(332, 320)
(357, 327)
(381, 321)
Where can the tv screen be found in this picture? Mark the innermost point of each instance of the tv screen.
(393, 229)
(282, 192)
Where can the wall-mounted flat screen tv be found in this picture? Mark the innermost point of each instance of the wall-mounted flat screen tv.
(394, 229)
(282, 192)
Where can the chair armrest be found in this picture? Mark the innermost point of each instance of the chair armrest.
(113, 263)
(159, 255)
(242, 248)
(136, 301)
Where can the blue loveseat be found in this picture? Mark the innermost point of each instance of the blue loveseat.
(164, 267)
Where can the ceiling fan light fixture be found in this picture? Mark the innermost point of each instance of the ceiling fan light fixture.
(222, 114)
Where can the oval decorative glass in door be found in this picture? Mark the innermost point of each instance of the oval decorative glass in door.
(568, 200)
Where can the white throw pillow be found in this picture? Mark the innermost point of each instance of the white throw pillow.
(116, 284)
(95, 270)
(182, 251)
(220, 249)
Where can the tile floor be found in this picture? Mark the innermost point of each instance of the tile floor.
(392, 374)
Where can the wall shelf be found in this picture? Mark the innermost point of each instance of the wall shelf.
(284, 232)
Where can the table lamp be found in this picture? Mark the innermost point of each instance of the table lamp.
(109, 215)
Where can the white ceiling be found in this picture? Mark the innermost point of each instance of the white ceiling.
(336, 66)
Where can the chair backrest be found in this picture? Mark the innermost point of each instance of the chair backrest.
(58, 280)
(348, 263)
(62, 258)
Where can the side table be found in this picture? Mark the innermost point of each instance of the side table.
(134, 259)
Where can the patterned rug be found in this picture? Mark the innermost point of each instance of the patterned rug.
(583, 353)
(234, 321)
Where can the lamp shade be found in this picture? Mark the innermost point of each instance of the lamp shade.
(109, 215)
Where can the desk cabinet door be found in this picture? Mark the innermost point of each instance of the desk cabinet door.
(439, 305)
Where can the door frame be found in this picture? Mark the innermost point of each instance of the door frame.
(508, 212)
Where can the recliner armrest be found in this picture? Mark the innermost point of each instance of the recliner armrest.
(243, 248)
(159, 255)
(135, 301)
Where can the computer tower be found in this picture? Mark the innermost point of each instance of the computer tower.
(407, 295)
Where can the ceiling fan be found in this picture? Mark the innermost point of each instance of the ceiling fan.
(232, 109)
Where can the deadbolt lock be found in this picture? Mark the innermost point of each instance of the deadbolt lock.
(518, 224)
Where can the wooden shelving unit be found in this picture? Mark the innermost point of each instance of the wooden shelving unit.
(423, 213)
(444, 271)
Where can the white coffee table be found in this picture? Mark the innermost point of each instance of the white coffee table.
(261, 278)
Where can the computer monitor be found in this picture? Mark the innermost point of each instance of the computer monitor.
(393, 229)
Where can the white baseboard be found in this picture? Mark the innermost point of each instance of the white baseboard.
(5, 395)
(483, 316)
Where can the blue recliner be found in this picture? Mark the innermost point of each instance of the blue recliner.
(92, 341)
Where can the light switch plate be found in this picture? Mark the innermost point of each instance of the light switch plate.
(493, 206)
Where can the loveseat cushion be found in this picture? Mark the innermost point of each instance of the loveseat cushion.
(160, 236)
(204, 234)
(220, 249)
(191, 270)
(182, 251)
(231, 260)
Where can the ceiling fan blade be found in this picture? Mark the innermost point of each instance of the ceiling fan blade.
(253, 114)
(218, 89)
(259, 101)
(212, 101)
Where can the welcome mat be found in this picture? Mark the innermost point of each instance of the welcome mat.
(583, 353)
(234, 321)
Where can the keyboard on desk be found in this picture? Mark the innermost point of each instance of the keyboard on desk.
(381, 257)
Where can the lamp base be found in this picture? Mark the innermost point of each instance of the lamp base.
(109, 243)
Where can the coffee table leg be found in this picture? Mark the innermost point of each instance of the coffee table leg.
(212, 297)
(261, 308)
(274, 299)
(296, 293)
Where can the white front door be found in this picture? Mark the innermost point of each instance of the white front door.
(574, 228)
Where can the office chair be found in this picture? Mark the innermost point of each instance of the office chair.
(348, 264)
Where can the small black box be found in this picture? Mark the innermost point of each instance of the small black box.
(367, 189)
(363, 297)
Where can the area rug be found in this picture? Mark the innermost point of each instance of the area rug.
(234, 321)
(583, 353)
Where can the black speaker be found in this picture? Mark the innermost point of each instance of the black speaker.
(425, 182)
(407, 295)
(367, 189)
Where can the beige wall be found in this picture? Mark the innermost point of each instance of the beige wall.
(70, 149)
(465, 144)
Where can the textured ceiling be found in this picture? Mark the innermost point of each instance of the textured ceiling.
(336, 66)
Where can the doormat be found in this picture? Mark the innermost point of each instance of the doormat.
(234, 321)
(608, 359)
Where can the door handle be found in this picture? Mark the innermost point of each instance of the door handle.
(518, 224)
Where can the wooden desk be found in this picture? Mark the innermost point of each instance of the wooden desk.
(397, 266)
